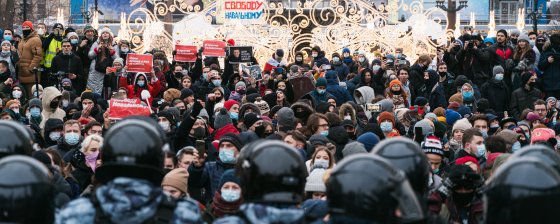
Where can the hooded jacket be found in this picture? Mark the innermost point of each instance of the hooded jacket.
(347, 107)
(49, 94)
(498, 94)
(135, 91)
(341, 94)
(367, 95)
(31, 53)
(551, 71)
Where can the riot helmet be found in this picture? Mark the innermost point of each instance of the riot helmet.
(16, 140)
(542, 153)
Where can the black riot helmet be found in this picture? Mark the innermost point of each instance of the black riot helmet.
(368, 187)
(133, 148)
(542, 153)
(523, 190)
(271, 172)
(15, 139)
(406, 155)
(26, 192)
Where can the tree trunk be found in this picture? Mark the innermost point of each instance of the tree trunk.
(7, 18)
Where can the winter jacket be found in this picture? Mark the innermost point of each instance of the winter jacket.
(498, 94)
(448, 85)
(208, 177)
(416, 78)
(341, 70)
(340, 93)
(522, 99)
(49, 94)
(31, 54)
(69, 64)
(500, 53)
(475, 64)
(65, 150)
(12, 58)
(443, 206)
(272, 63)
(366, 95)
(437, 97)
(320, 60)
(135, 91)
(319, 98)
(95, 78)
(551, 72)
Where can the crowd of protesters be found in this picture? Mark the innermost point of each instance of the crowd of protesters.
(454, 118)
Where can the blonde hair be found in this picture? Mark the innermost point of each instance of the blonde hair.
(87, 142)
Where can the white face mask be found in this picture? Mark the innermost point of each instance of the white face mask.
(40, 31)
(165, 125)
(16, 94)
(314, 55)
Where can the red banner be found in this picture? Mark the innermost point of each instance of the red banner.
(139, 63)
(185, 53)
(119, 109)
(214, 48)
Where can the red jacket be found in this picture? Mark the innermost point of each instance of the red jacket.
(153, 88)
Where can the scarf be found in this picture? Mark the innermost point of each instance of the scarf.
(220, 207)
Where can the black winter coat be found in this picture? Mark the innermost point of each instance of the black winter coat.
(498, 94)
(69, 64)
(522, 99)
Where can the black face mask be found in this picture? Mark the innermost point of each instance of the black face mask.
(442, 74)
(532, 84)
(199, 133)
(178, 75)
(351, 135)
(26, 32)
(241, 91)
(218, 99)
(396, 92)
(462, 199)
(514, 41)
(68, 88)
(54, 104)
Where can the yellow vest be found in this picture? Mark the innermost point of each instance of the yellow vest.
(51, 52)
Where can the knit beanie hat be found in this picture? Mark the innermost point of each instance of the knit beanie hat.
(177, 178)
(321, 82)
(315, 181)
(439, 129)
(432, 145)
(286, 118)
(425, 125)
(222, 119)
(386, 116)
(250, 118)
(509, 136)
(6, 42)
(420, 101)
(263, 106)
(240, 84)
(386, 105)
(523, 37)
(318, 139)
(35, 103)
(451, 117)
(462, 124)
(66, 80)
(279, 53)
(497, 70)
(119, 60)
(229, 176)
(168, 115)
(369, 140)
(186, 92)
(531, 116)
(28, 23)
(542, 134)
(463, 110)
(228, 104)
(525, 77)
(233, 139)
(72, 34)
(431, 116)
(353, 148)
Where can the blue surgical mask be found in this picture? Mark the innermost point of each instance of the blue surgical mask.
(386, 126)
(516, 146)
(436, 171)
(233, 115)
(8, 37)
(217, 82)
(227, 156)
(484, 134)
(141, 83)
(336, 59)
(499, 77)
(72, 138)
(481, 151)
(73, 41)
(35, 112)
(231, 195)
(321, 91)
(468, 95)
(205, 76)
(325, 133)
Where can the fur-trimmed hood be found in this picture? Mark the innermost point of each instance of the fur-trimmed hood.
(302, 111)
(347, 107)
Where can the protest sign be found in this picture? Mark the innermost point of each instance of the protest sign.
(139, 63)
(245, 54)
(119, 109)
(185, 53)
(214, 48)
(241, 11)
(253, 71)
(301, 86)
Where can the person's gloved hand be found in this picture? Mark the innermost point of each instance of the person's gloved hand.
(446, 187)
(197, 107)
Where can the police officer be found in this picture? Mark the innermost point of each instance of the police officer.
(368, 189)
(26, 192)
(16, 139)
(523, 190)
(273, 176)
(130, 177)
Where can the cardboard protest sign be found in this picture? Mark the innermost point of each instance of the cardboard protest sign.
(139, 63)
(245, 54)
(185, 53)
(253, 71)
(119, 109)
(241, 11)
(301, 86)
(214, 48)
